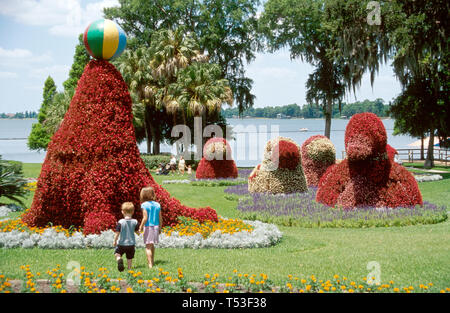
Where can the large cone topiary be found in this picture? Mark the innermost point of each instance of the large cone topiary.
(93, 164)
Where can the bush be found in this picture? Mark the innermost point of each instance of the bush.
(152, 161)
(318, 153)
(93, 164)
(368, 177)
(12, 183)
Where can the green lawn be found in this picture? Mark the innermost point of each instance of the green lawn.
(420, 165)
(408, 255)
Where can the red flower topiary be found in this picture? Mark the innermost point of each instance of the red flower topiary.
(318, 153)
(277, 173)
(287, 154)
(368, 177)
(391, 152)
(93, 164)
(216, 162)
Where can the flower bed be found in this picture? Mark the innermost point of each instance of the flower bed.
(190, 234)
(101, 281)
(301, 209)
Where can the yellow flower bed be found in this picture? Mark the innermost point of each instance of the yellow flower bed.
(190, 227)
(31, 186)
(19, 225)
(187, 227)
(164, 281)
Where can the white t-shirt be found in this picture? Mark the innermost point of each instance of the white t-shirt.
(181, 163)
(173, 160)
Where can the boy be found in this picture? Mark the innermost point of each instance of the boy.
(125, 228)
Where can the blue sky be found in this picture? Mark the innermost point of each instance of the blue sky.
(38, 39)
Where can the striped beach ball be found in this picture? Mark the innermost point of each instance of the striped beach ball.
(104, 39)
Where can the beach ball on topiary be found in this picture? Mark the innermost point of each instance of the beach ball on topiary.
(104, 39)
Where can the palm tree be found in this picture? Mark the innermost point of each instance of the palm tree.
(172, 51)
(200, 90)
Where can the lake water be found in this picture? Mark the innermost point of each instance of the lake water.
(247, 146)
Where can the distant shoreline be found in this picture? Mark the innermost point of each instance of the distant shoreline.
(295, 118)
(15, 118)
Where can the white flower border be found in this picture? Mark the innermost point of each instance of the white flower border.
(263, 235)
(420, 178)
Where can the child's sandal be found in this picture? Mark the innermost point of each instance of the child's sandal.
(120, 266)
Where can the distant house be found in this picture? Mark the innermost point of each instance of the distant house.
(282, 116)
(10, 115)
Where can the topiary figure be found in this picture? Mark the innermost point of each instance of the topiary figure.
(368, 176)
(318, 153)
(216, 161)
(93, 164)
(281, 169)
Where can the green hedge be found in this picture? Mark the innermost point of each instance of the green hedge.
(152, 161)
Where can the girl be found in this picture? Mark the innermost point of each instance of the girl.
(151, 222)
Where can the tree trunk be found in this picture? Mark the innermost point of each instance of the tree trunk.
(429, 162)
(156, 140)
(327, 113)
(422, 154)
(148, 132)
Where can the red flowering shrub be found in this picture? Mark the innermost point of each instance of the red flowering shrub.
(369, 177)
(216, 162)
(93, 164)
(318, 153)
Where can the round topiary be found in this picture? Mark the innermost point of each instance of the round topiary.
(217, 148)
(318, 153)
(93, 164)
(277, 173)
(216, 162)
(368, 177)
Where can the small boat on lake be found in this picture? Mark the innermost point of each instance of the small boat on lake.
(304, 129)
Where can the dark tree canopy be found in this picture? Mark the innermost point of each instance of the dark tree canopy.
(225, 30)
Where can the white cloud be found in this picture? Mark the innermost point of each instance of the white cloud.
(15, 53)
(57, 72)
(19, 58)
(8, 75)
(63, 17)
